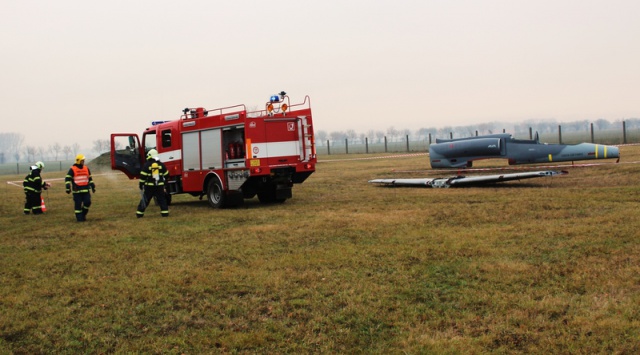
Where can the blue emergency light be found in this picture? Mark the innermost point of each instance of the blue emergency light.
(274, 98)
(155, 123)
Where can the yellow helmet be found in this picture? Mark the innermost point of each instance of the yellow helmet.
(40, 165)
(79, 158)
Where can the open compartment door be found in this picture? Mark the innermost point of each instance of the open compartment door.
(126, 154)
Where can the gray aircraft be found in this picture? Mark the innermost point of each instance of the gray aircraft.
(460, 153)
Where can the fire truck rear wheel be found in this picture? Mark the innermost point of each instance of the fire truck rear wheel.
(215, 194)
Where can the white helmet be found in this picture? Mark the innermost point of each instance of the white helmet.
(153, 154)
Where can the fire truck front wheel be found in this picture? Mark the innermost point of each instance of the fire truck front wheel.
(215, 194)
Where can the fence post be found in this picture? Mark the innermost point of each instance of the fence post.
(429, 138)
(559, 134)
(450, 135)
(407, 143)
(624, 132)
(328, 148)
(530, 133)
(385, 144)
(591, 132)
(476, 132)
(366, 145)
(346, 145)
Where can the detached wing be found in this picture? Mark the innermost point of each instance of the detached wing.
(486, 179)
(403, 182)
(461, 181)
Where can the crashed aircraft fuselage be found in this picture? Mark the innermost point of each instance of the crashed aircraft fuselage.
(460, 153)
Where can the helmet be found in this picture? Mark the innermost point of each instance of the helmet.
(79, 158)
(153, 154)
(40, 165)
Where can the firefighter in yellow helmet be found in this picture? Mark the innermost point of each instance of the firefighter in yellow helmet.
(33, 186)
(153, 179)
(79, 181)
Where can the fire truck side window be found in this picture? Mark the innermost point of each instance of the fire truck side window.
(166, 138)
(149, 141)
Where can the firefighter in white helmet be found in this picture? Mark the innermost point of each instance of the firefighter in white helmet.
(153, 179)
(33, 186)
(79, 181)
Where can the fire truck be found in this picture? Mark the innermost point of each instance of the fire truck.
(227, 154)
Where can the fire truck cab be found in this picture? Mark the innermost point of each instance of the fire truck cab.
(227, 154)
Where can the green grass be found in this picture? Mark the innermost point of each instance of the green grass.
(543, 265)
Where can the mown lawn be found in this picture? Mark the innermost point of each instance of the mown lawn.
(538, 266)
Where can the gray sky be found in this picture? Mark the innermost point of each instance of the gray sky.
(75, 71)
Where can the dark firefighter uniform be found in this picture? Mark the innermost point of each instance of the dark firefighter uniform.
(153, 177)
(79, 181)
(33, 186)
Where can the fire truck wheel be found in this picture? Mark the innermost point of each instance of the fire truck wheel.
(215, 194)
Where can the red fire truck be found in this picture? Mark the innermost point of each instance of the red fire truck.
(227, 154)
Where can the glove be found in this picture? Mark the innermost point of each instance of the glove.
(93, 190)
(140, 186)
(67, 191)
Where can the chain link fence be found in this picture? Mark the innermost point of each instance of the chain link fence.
(23, 168)
(421, 144)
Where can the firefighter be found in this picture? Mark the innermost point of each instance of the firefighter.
(153, 177)
(33, 186)
(79, 181)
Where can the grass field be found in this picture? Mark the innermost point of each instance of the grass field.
(547, 265)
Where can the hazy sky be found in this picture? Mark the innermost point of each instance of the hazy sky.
(75, 71)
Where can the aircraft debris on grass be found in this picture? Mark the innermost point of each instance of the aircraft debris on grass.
(464, 181)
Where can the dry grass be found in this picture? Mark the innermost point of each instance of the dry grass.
(544, 265)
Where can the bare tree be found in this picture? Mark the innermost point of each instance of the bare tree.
(406, 133)
(351, 135)
(56, 148)
(100, 146)
(11, 144)
(321, 136)
(392, 132)
(31, 152)
(337, 136)
(66, 150)
(40, 151)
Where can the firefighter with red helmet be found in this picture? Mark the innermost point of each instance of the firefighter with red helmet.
(33, 186)
(153, 178)
(79, 181)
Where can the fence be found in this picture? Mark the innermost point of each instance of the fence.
(23, 168)
(421, 144)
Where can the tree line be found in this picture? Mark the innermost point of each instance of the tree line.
(13, 149)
